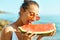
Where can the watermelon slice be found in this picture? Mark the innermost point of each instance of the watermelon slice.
(38, 28)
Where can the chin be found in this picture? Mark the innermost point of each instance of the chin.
(26, 23)
(30, 23)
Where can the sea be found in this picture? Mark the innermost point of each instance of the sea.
(43, 19)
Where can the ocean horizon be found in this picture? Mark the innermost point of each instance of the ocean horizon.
(43, 19)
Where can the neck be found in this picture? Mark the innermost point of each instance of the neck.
(17, 23)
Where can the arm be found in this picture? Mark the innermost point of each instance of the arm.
(6, 34)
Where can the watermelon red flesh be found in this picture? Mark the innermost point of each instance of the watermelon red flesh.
(38, 28)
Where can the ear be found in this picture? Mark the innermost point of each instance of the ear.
(21, 11)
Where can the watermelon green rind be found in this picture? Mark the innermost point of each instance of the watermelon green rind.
(22, 29)
(42, 32)
(38, 32)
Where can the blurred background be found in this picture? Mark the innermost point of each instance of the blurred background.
(49, 12)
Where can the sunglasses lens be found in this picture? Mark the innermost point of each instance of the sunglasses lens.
(32, 18)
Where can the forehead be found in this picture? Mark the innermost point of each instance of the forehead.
(34, 8)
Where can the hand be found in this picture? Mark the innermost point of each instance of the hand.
(27, 36)
(50, 34)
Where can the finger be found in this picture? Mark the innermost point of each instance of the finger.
(39, 37)
(31, 35)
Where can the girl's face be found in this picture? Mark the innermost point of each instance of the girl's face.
(30, 14)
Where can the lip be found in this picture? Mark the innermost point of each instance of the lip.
(29, 21)
(37, 18)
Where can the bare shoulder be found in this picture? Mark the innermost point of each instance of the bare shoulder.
(6, 33)
(7, 29)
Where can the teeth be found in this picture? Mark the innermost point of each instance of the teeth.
(30, 21)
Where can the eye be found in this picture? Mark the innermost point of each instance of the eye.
(32, 14)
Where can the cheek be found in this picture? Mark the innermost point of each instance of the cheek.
(24, 17)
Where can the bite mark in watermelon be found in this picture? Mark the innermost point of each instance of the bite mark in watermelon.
(38, 28)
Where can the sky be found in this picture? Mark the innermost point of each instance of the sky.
(47, 7)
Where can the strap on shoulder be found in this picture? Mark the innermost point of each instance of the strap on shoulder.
(14, 36)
